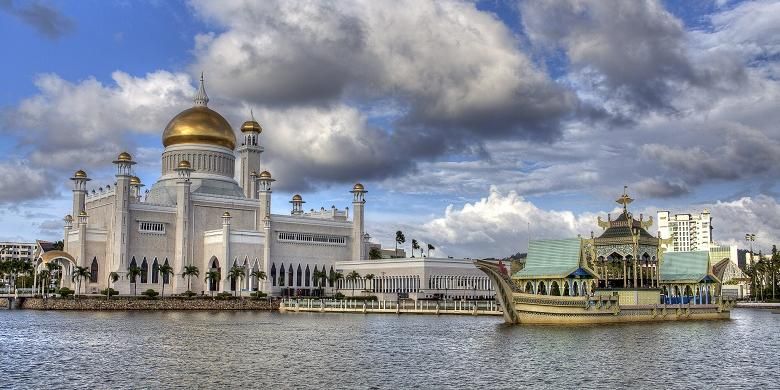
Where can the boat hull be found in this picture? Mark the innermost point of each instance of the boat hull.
(523, 308)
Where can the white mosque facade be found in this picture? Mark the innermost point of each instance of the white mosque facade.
(199, 214)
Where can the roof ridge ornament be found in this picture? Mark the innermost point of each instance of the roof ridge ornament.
(624, 199)
(201, 99)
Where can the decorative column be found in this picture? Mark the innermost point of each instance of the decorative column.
(249, 155)
(181, 239)
(226, 251)
(68, 226)
(83, 219)
(80, 180)
(297, 205)
(264, 181)
(358, 223)
(120, 215)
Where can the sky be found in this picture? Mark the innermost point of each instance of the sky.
(475, 126)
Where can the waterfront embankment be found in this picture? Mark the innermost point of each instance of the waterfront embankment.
(489, 308)
(129, 303)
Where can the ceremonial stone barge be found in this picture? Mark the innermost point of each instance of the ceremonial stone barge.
(623, 275)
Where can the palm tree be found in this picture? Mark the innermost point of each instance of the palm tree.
(430, 248)
(165, 271)
(212, 276)
(334, 278)
(260, 275)
(353, 277)
(319, 277)
(369, 277)
(133, 272)
(189, 272)
(54, 267)
(237, 273)
(80, 273)
(112, 278)
(43, 277)
(399, 240)
(415, 246)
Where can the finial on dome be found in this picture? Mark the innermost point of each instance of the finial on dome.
(201, 99)
(252, 114)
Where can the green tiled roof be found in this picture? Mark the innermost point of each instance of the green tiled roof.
(685, 266)
(551, 259)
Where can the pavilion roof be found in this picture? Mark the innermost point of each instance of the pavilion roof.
(553, 259)
(686, 267)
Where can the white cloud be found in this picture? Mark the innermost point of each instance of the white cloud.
(498, 226)
(448, 63)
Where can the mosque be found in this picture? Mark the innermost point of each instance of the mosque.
(200, 213)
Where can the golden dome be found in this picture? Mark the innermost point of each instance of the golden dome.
(124, 156)
(251, 126)
(135, 180)
(226, 214)
(358, 187)
(297, 198)
(80, 174)
(184, 164)
(199, 125)
(265, 175)
(83, 213)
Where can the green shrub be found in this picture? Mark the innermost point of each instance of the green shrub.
(109, 291)
(339, 296)
(225, 295)
(188, 294)
(65, 292)
(150, 294)
(259, 294)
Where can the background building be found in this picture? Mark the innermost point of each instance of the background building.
(16, 251)
(688, 232)
(415, 278)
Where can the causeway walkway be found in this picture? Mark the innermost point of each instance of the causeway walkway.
(476, 308)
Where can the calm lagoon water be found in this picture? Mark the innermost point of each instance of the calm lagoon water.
(296, 350)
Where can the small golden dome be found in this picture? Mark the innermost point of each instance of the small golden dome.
(297, 198)
(80, 174)
(184, 164)
(251, 126)
(135, 180)
(253, 173)
(226, 214)
(83, 213)
(265, 175)
(199, 125)
(358, 187)
(124, 156)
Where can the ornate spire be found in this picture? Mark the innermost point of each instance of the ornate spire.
(201, 99)
(624, 199)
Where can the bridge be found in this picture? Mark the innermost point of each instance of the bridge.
(460, 307)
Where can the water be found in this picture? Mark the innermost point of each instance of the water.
(313, 350)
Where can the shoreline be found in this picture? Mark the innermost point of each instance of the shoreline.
(137, 304)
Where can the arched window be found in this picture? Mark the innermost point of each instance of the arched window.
(132, 265)
(93, 271)
(273, 274)
(144, 271)
(290, 276)
(307, 276)
(155, 271)
(281, 276)
(298, 275)
(167, 276)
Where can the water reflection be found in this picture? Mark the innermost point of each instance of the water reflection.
(260, 350)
